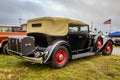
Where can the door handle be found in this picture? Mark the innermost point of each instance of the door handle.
(80, 36)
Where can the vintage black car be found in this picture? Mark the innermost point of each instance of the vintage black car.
(55, 41)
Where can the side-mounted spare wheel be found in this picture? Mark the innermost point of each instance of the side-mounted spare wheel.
(60, 57)
(108, 48)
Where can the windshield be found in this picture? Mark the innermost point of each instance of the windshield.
(78, 28)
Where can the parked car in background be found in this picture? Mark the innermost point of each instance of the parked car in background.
(115, 36)
(55, 41)
(117, 41)
(23, 27)
(6, 31)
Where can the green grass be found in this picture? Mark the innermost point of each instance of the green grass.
(96, 67)
(117, 46)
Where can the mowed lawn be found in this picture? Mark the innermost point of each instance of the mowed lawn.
(96, 67)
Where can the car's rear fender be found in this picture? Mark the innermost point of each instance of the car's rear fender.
(53, 46)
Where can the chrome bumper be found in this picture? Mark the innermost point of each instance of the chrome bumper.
(35, 60)
(30, 59)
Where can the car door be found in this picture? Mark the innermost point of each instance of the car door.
(84, 34)
(78, 37)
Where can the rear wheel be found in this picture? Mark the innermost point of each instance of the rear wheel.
(60, 57)
(108, 49)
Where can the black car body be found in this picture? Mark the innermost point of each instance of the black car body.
(56, 41)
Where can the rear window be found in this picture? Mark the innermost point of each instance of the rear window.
(73, 28)
(37, 25)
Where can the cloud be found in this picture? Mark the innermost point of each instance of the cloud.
(95, 11)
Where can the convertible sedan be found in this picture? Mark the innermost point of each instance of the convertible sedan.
(55, 41)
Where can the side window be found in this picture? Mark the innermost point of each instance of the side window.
(5, 29)
(15, 29)
(24, 28)
(84, 28)
(73, 28)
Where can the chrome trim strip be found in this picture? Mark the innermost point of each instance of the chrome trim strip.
(82, 55)
(15, 52)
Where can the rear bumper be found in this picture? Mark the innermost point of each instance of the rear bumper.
(30, 59)
(35, 60)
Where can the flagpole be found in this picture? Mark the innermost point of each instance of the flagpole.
(110, 28)
(110, 25)
(108, 22)
(91, 26)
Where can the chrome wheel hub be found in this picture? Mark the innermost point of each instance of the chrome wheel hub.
(61, 57)
(108, 48)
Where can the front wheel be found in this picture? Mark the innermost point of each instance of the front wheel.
(5, 49)
(60, 57)
(108, 49)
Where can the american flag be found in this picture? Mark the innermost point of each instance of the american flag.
(107, 22)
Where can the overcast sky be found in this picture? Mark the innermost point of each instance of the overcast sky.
(89, 11)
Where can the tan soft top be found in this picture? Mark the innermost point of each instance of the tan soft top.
(51, 25)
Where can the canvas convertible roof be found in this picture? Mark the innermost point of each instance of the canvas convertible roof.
(51, 25)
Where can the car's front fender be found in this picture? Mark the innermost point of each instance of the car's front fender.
(105, 41)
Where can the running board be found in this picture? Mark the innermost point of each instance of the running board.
(76, 56)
